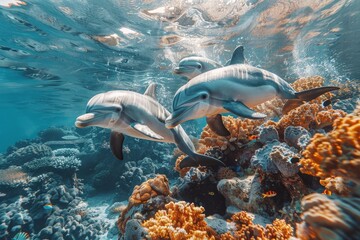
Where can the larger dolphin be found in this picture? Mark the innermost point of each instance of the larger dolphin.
(234, 88)
(140, 116)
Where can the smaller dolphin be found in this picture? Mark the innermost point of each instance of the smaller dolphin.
(191, 67)
(140, 116)
(234, 89)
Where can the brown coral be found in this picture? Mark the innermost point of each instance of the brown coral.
(307, 115)
(240, 130)
(247, 230)
(179, 221)
(141, 194)
(325, 218)
(335, 154)
(13, 176)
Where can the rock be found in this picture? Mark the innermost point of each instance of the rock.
(134, 230)
(243, 193)
(268, 134)
(297, 137)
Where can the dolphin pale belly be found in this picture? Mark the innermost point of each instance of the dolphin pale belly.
(140, 116)
(234, 88)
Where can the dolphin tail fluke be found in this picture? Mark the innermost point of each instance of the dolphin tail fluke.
(311, 94)
(305, 96)
(200, 160)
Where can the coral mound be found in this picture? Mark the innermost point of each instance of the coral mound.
(150, 188)
(335, 154)
(147, 191)
(325, 218)
(179, 220)
(240, 129)
(247, 230)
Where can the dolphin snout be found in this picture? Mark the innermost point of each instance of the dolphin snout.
(84, 120)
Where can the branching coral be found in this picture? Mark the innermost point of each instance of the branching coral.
(306, 116)
(325, 218)
(335, 154)
(246, 229)
(178, 221)
(240, 130)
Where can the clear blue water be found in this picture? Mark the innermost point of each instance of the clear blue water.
(53, 55)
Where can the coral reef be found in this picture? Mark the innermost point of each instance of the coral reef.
(28, 153)
(240, 130)
(55, 163)
(297, 137)
(13, 177)
(150, 195)
(179, 220)
(308, 115)
(335, 153)
(326, 218)
(276, 157)
(246, 229)
(199, 186)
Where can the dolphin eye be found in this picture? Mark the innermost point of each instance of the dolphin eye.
(117, 109)
(204, 96)
(198, 66)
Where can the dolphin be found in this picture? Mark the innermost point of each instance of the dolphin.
(234, 88)
(140, 116)
(191, 67)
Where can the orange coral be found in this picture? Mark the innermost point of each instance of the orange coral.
(179, 221)
(240, 129)
(181, 171)
(307, 114)
(335, 154)
(151, 188)
(247, 230)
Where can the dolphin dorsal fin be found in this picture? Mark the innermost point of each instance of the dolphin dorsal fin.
(150, 91)
(238, 56)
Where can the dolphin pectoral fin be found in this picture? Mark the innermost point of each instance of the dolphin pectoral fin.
(311, 94)
(242, 110)
(116, 144)
(200, 160)
(146, 131)
(291, 104)
(216, 125)
(151, 91)
(238, 56)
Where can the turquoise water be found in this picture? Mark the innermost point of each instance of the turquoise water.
(51, 60)
(62, 182)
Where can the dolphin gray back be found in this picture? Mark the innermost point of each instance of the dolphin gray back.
(246, 75)
(137, 100)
